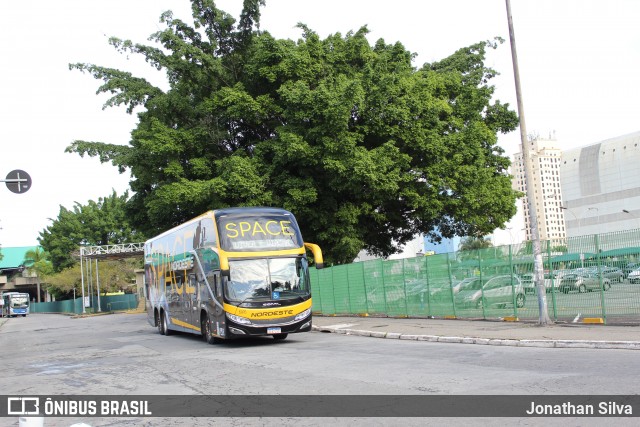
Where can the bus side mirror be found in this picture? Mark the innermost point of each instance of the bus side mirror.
(224, 266)
(317, 254)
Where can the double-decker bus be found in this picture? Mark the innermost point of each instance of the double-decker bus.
(231, 273)
(15, 304)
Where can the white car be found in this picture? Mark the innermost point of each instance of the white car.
(530, 287)
(634, 276)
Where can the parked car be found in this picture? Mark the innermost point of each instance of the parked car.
(527, 283)
(614, 274)
(634, 276)
(583, 282)
(493, 291)
(439, 289)
(627, 269)
(462, 284)
(530, 286)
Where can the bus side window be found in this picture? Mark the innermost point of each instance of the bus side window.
(194, 287)
(203, 294)
(218, 286)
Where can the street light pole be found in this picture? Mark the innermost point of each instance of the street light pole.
(535, 237)
(597, 215)
(564, 208)
(623, 210)
(577, 234)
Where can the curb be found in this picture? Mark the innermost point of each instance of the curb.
(620, 345)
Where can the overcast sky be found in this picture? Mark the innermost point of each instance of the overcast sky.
(579, 66)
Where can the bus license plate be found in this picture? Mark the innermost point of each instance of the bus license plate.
(273, 330)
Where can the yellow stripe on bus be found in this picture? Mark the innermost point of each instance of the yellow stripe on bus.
(269, 313)
(184, 324)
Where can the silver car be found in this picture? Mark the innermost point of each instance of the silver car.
(614, 274)
(493, 291)
(583, 282)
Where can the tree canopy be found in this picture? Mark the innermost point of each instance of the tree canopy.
(113, 276)
(103, 222)
(364, 148)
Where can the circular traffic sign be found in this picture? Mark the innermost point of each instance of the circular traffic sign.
(18, 181)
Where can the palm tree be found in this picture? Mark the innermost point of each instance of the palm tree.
(470, 246)
(38, 260)
(472, 243)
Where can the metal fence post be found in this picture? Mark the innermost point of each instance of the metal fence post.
(404, 288)
(349, 289)
(333, 290)
(384, 288)
(513, 292)
(484, 309)
(364, 285)
(426, 275)
(553, 284)
(600, 278)
(453, 300)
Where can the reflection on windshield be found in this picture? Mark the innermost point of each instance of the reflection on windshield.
(267, 279)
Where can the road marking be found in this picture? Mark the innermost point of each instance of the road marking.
(340, 325)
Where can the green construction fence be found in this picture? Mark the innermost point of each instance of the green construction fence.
(586, 278)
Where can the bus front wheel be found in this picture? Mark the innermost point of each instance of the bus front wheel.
(205, 329)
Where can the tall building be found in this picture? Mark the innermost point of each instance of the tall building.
(545, 159)
(601, 186)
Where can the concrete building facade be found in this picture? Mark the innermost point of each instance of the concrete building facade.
(583, 191)
(601, 186)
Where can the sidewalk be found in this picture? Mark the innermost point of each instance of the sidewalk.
(484, 332)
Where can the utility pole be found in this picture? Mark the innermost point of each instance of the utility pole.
(538, 266)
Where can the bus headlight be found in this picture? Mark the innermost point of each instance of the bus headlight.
(304, 314)
(238, 319)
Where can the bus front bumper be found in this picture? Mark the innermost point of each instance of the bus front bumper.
(237, 330)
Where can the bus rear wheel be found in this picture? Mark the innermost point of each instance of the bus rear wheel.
(165, 327)
(158, 322)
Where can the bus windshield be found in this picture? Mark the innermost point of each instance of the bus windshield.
(19, 301)
(267, 279)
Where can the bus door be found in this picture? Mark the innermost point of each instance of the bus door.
(192, 305)
(174, 297)
(216, 312)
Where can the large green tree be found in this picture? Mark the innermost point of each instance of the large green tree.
(363, 147)
(104, 222)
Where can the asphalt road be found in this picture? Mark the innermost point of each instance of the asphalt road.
(121, 354)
